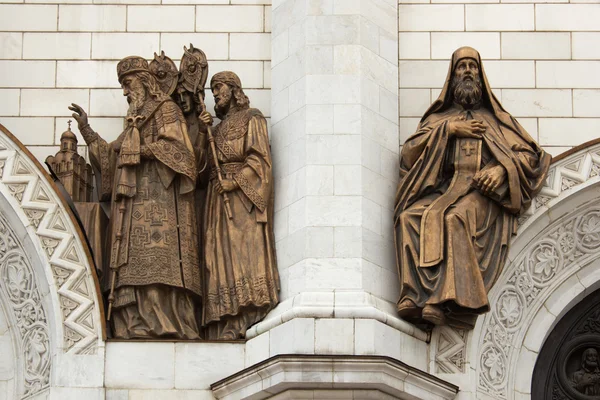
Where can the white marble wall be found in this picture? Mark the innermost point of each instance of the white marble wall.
(66, 51)
(541, 57)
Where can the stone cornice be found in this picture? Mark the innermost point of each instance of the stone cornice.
(377, 373)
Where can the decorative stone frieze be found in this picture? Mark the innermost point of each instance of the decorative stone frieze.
(553, 257)
(61, 244)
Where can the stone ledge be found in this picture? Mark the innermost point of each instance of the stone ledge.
(336, 304)
(377, 373)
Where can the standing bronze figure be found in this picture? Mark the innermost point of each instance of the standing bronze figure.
(149, 174)
(465, 176)
(240, 267)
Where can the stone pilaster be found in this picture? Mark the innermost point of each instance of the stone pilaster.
(335, 147)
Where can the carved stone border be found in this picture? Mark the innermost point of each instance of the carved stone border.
(567, 175)
(23, 304)
(53, 230)
(557, 237)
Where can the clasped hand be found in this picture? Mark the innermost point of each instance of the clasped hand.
(206, 118)
(489, 179)
(226, 185)
(462, 128)
(486, 180)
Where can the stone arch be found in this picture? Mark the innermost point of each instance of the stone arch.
(552, 264)
(25, 301)
(8, 356)
(49, 289)
(559, 360)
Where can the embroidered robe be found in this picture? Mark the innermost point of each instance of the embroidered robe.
(157, 258)
(452, 261)
(240, 267)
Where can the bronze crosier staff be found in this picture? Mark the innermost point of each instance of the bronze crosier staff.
(113, 277)
(213, 149)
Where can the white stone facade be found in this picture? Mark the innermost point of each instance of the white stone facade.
(59, 52)
(541, 58)
(343, 83)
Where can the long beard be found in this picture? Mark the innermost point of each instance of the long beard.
(467, 93)
(137, 98)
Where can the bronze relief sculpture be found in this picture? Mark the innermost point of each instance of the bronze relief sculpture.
(586, 380)
(182, 265)
(568, 364)
(465, 175)
(242, 280)
(149, 172)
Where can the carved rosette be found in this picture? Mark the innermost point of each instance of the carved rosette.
(528, 281)
(20, 294)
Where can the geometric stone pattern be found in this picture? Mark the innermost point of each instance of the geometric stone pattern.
(25, 310)
(451, 350)
(68, 266)
(574, 170)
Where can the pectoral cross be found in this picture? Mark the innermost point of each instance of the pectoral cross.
(468, 148)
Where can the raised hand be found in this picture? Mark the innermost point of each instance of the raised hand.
(79, 115)
(466, 129)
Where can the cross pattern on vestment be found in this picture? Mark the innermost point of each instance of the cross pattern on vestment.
(156, 215)
(468, 148)
(139, 236)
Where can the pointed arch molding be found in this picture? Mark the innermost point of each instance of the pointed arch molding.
(553, 262)
(77, 325)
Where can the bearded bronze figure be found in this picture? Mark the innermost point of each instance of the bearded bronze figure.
(465, 176)
(586, 380)
(149, 176)
(242, 281)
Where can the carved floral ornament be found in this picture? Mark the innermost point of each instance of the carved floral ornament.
(76, 308)
(554, 255)
(25, 310)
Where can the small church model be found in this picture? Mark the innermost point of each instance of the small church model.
(74, 173)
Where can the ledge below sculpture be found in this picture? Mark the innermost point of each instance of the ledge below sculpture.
(338, 304)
